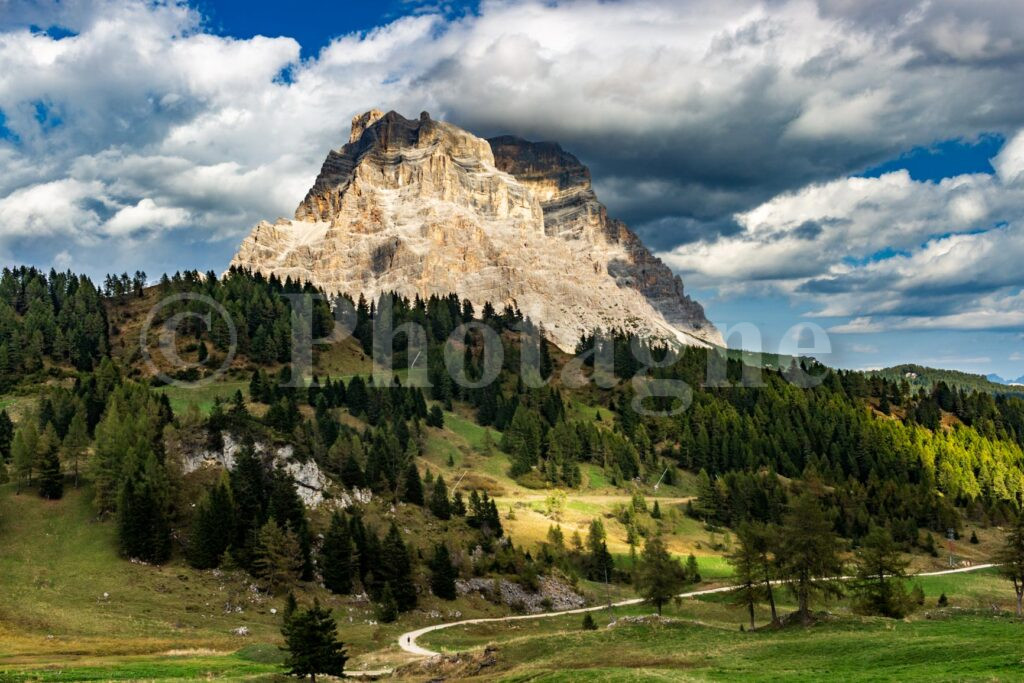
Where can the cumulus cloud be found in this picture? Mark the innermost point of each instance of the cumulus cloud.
(887, 252)
(141, 128)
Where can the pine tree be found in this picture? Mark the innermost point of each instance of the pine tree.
(336, 556)
(588, 622)
(412, 486)
(659, 577)
(656, 511)
(311, 640)
(51, 479)
(439, 504)
(442, 573)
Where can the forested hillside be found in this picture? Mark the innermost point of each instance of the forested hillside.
(334, 485)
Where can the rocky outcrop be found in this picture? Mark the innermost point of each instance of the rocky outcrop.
(552, 595)
(310, 481)
(422, 207)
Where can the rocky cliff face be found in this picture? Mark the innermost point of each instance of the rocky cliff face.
(424, 207)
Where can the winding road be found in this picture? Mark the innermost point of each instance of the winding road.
(407, 641)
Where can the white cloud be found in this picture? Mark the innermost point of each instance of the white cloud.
(689, 112)
(889, 252)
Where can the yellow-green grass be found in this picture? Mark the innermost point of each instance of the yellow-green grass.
(968, 647)
(203, 396)
(58, 561)
(965, 642)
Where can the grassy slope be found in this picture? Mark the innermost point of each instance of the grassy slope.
(965, 642)
(169, 622)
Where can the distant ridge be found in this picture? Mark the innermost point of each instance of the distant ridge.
(921, 377)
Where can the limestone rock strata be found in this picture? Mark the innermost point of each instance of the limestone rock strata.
(424, 207)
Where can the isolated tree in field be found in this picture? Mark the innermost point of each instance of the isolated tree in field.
(442, 573)
(1011, 561)
(23, 452)
(212, 527)
(336, 556)
(278, 561)
(880, 570)
(311, 639)
(51, 479)
(808, 553)
(745, 559)
(659, 577)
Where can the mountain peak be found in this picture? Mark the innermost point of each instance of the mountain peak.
(421, 207)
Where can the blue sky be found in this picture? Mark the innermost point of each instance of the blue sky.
(855, 166)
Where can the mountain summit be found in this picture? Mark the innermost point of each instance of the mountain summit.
(421, 207)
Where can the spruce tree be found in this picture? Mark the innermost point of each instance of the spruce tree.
(439, 503)
(336, 556)
(311, 640)
(249, 491)
(387, 609)
(142, 509)
(51, 479)
(6, 436)
(412, 486)
(442, 573)
(396, 569)
(212, 527)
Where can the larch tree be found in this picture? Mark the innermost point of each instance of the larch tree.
(879, 571)
(809, 553)
(659, 576)
(746, 563)
(278, 557)
(51, 478)
(1011, 561)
